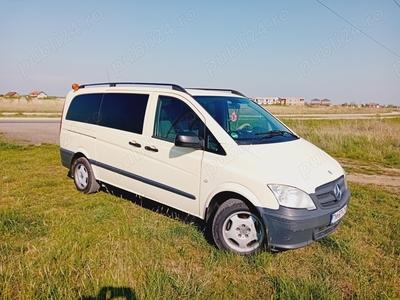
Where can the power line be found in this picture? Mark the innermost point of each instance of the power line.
(370, 37)
(396, 3)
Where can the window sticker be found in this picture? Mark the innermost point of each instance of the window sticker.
(234, 135)
(233, 116)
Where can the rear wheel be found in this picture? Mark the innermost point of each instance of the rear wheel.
(83, 176)
(235, 228)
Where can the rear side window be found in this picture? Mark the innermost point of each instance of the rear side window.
(85, 108)
(123, 111)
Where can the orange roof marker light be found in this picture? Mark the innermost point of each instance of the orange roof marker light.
(75, 86)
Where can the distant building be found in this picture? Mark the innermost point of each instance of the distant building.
(315, 101)
(374, 105)
(266, 100)
(38, 94)
(12, 95)
(324, 102)
(294, 101)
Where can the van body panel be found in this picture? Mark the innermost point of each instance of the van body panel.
(300, 164)
(177, 172)
(77, 137)
(238, 171)
(119, 162)
(209, 191)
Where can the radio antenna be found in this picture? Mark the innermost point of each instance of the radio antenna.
(108, 76)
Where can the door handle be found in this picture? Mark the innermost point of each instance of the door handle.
(135, 144)
(153, 149)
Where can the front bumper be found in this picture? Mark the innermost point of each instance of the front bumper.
(289, 228)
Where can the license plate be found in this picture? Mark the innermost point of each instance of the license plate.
(338, 215)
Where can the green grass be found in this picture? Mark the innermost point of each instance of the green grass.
(56, 243)
(370, 140)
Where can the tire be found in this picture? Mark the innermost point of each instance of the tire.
(235, 228)
(83, 176)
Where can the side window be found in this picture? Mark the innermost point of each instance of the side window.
(123, 111)
(173, 117)
(212, 145)
(85, 108)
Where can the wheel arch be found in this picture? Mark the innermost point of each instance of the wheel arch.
(80, 153)
(223, 196)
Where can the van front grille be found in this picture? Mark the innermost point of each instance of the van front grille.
(330, 193)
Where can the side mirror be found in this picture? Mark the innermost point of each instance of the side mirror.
(188, 140)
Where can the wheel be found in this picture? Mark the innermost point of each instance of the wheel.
(235, 228)
(83, 176)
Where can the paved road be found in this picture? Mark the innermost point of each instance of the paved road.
(31, 130)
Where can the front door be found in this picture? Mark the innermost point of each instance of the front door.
(172, 174)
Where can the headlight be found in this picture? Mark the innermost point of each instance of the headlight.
(289, 196)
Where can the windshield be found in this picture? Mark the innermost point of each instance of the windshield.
(245, 121)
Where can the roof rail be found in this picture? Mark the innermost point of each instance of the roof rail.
(220, 90)
(112, 84)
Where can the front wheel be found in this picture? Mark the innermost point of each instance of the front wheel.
(235, 228)
(83, 176)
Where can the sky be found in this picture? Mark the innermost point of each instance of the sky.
(346, 51)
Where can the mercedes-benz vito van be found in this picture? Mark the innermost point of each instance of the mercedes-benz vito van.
(214, 154)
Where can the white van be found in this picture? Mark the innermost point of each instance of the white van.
(211, 153)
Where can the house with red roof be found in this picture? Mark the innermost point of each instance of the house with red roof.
(38, 94)
(12, 95)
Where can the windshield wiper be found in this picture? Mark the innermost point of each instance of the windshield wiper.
(272, 133)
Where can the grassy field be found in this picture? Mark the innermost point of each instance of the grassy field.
(56, 243)
(375, 141)
(22, 104)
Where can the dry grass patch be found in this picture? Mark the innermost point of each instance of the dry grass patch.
(22, 104)
(376, 141)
